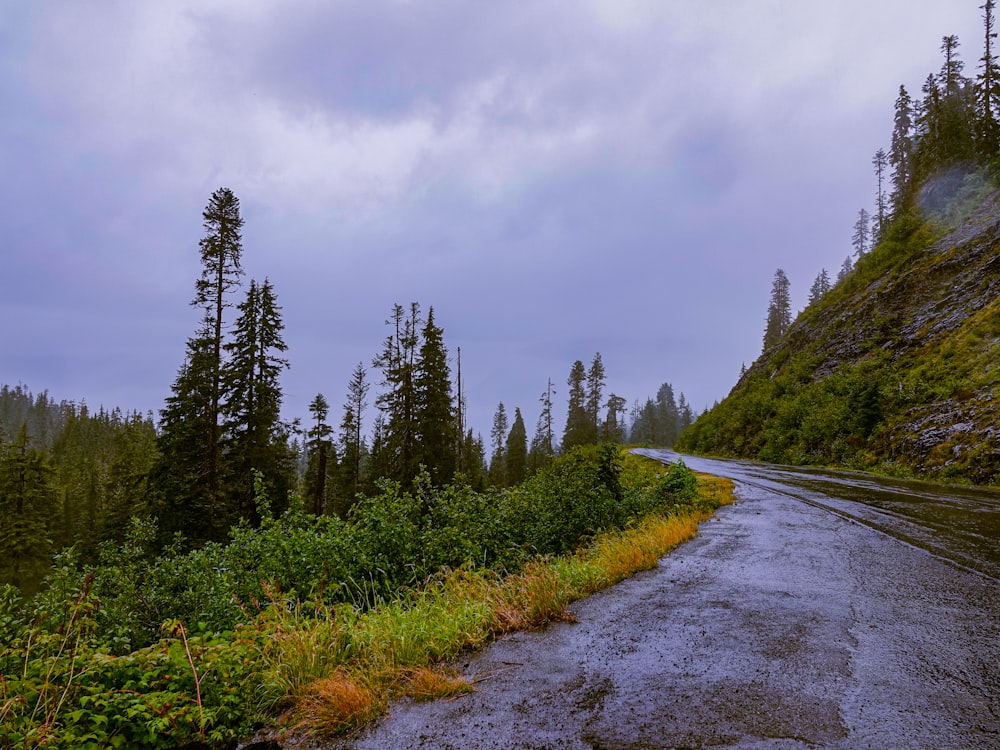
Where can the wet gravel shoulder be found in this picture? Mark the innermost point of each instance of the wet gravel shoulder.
(780, 626)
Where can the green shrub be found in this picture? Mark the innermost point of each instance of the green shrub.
(678, 484)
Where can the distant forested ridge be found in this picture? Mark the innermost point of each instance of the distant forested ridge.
(896, 365)
(68, 477)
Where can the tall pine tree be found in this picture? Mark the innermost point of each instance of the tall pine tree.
(398, 399)
(353, 450)
(435, 409)
(542, 443)
(901, 153)
(613, 427)
(881, 162)
(862, 232)
(27, 504)
(321, 459)
(516, 453)
(779, 311)
(595, 389)
(498, 436)
(221, 255)
(988, 90)
(578, 429)
(254, 436)
(187, 478)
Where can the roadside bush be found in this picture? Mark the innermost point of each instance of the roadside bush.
(677, 485)
(90, 663)
(571, 499)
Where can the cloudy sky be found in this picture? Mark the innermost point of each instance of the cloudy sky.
(556, 178)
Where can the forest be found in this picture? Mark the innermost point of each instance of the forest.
(198, 645)
(181, 578)
(142, 550)
(892, 366)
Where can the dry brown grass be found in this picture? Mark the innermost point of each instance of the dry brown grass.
(338, 703)
(393, 649)
(623, 555)
(535, 596)
(426, 684)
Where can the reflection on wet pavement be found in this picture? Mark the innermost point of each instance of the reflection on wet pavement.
(958, 524)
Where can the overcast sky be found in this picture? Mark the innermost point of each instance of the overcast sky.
(556, 178)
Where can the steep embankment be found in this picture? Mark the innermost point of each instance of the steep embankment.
(896, 368)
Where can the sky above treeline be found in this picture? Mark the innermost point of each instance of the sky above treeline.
(554, 178)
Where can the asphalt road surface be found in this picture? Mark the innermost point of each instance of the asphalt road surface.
(823, 610)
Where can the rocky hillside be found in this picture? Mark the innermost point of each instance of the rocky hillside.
(897, 368)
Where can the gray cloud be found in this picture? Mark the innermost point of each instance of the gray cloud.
(555, 178)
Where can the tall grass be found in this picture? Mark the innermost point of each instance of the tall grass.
(333, 661)
(397, 649)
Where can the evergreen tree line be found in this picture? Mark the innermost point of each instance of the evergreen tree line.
(940, 144)
(944, 157)
(660, 421)
(69, 478)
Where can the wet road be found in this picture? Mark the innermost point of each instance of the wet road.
(959, 524)
(820, 611)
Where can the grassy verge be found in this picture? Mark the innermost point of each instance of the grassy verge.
(434, 573)
(398, 649)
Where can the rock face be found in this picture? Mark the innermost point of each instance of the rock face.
(897, 367)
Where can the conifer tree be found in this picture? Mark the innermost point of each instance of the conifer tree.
(498, 435)
(578, 423)
(188, 475)
(667, 416)
(613, 427)
(398, 400)
(820, 287)
(435, 408)
(516, 451)
(859, 240)
(901, 152)
(254, 436)
(27, 503)
(958, 118)
(352, 444)
(988, 90)
(542, 444)
(595, 388)
(221, 251)
(685, 413)
(474, 472)
(644, 424)
(952, 67)
(845, 269)
(881, 162)
(320, 450)
(779, 311)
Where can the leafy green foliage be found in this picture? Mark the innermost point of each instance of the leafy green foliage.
(158, 650)
(678, 484)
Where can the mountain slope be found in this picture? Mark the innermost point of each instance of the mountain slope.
(897, 367)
